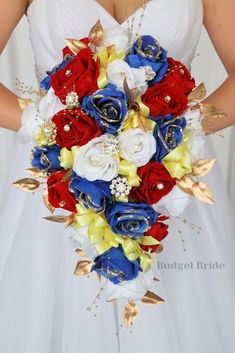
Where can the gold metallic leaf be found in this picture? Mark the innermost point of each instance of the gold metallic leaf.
(186, 184)
(70, 221)
(24, 102)
(202, 167)
(75, 45)
(159, 248)
(202, 193)
(99, 277)
(96, 35)
(80, 252)
(36, 173)
(83, 268)
(210, 111)
(130, 313)
(57, 219)
(46, 201)
(198, 93)
(27, 184)
(151, 298)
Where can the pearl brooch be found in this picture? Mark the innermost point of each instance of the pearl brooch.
(111, 145)
(72, 100)
(120, 187)
(150, 74)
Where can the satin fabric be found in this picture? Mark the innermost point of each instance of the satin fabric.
(42, 304)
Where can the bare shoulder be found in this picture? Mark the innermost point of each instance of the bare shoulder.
(11, 11)
(220, 25)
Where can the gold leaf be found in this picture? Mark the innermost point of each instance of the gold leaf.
(83, 268)
(96, 35)
(24, 102)
(130, 313)
(159, 248)
(151, 298)
(99, 277)
(70, 221)
(80, 252)
(36, 173)
(156, 279)
(75, 45)
(198, 93)
(186, 184)
(210, 111)
(56, 219)
(46, 201)
(202, 193)
(27, 184)
(202, 167)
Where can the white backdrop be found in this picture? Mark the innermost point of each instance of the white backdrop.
(17, 62)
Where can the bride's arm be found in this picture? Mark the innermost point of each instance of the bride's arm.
(220, 25)
(11, 12)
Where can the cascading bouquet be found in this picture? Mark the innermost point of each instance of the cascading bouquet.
(118, 139)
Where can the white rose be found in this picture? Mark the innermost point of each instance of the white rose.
(116, 36)
(79, 240)
(133, 290)
(118, 70)
(173, 203)
(137, 146)
(93, 163)
(36, 113)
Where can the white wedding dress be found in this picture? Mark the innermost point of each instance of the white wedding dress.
(42, 304)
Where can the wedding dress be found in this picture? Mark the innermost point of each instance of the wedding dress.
(42, 304)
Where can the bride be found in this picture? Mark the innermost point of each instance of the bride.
(42, 304)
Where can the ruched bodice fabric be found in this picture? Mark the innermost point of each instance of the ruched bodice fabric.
(176, 24)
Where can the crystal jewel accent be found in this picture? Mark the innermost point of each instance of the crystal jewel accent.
(150, 74)
(48, 129)
(72, 100)
(111, 145)
(120, 187)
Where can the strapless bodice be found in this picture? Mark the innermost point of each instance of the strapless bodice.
(176, 24)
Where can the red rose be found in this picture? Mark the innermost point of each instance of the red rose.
(156, 182)
(79, 75)
(166, 97)
(180, 72)
(158, 231)
(59, 195)
(75, 128)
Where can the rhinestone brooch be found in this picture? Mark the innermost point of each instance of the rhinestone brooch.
(149, 73)
(111, 145)
(120, 187)
(72, 100)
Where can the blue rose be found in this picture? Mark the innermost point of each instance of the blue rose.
(93, 195)
(115, 266)
(46, 158)
(146, 51)
(108, 106)
(130, 219)
(45, 84)
(168, 134)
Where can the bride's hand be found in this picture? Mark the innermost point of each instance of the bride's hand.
(11, 11)
(220, 25)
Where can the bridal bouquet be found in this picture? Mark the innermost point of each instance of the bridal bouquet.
(118, 141)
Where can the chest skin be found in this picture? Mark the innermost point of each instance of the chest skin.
(120, 10)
